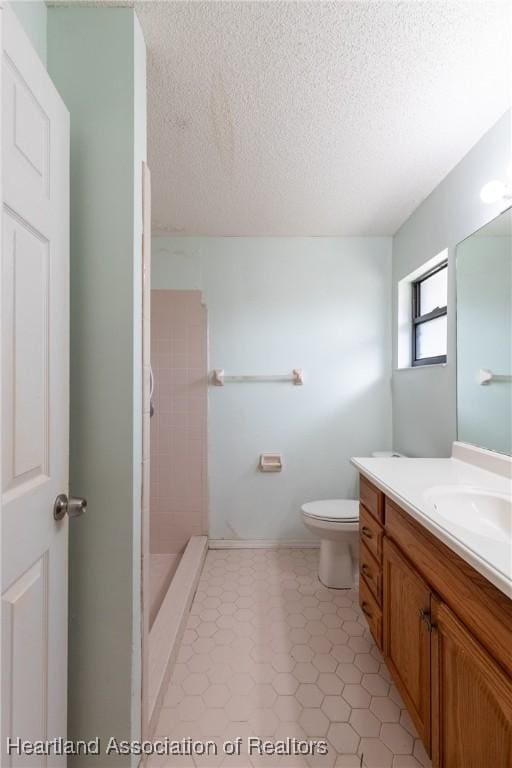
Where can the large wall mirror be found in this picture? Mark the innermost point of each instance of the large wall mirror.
(484, 336)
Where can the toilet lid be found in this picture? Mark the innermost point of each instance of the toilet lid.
(333, 509)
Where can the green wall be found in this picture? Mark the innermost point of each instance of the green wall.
(33, 17)
(96, 59)
(424, 398)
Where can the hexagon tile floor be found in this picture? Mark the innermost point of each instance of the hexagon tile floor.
(270, 652)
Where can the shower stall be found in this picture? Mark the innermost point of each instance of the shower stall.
(178, 485)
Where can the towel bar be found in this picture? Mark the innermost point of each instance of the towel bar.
(219, 378)
(485, 376)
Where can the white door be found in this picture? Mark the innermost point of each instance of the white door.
(34, 398)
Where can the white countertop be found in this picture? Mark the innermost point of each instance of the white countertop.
(405, 481)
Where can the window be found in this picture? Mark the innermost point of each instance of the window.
(429, 300)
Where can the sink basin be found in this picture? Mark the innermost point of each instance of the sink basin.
(482, 512)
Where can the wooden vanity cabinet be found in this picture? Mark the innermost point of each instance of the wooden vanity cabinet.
(372, 611)
(371, 571)
(445, 632)
(371, 536)
(371, 498)
(407, 634)
(471, 699)
(482, 608)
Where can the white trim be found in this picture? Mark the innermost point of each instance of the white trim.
(404, 327)
(420, 367)
(263, 544)
(499, 463)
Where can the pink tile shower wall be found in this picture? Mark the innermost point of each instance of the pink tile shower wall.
(179, 424)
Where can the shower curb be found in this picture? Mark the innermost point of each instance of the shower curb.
(169, 625)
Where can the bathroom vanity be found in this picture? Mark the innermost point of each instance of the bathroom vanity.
(437, 598)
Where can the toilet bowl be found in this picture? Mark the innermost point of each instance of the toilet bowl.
(336, 523)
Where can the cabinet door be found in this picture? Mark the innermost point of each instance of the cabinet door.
(406, 635)
(471, 699)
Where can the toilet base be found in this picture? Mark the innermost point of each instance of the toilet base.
(335, 569)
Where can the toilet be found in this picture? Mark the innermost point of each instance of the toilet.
(336, 523)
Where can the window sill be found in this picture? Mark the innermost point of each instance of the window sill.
(421, 367)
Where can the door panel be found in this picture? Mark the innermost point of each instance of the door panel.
(406, 636)
(34, 395)
(24, 648)
(25, 281)
(27, 141)
(471, 699)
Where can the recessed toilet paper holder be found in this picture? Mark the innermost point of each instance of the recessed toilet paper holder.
(270, 462)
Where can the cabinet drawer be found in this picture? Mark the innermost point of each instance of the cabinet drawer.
(370, 533)
(372, 498)
(371, 572)
(372, 612)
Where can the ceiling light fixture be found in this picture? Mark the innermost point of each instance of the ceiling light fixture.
(497, 190)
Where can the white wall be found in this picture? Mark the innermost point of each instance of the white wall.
(484, 339)
(424, 398)
(274, 304)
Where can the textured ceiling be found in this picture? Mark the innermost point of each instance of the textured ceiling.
(315, 118)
